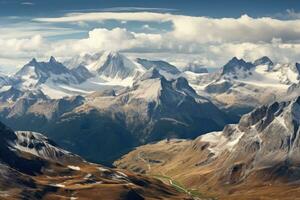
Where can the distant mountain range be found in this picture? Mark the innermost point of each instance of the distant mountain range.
(120, 103)
(240, 86)
(152, 109)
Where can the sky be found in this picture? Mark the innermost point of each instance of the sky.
(204, 32)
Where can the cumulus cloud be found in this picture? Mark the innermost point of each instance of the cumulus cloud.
(117, 39)
(209, 41)
(211, 54)
(14, 46)
(242, 29)
(202, 29)
(15, 52)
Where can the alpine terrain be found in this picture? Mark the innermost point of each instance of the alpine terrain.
(82, 107)
(33, 167)
(258, 158)
(240, 86)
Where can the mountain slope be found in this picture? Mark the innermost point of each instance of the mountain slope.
(154, 100)
(257, 158)
(33, 167)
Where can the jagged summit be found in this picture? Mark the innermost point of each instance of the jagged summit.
(43, 67)
(117, 65)
(236, 64)
(35, 73)
(154, 82)
(33, 61)
(263, 61)
(52, 60)
(108, 65)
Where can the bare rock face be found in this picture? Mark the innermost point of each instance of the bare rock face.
(270, 136)
(33, 167)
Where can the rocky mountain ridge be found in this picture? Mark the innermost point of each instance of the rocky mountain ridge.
(255, 158)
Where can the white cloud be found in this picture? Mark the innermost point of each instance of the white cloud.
(13, 46)
(202, 29)
(101, 16)
(27, 3)
(243, 29)
(27, 30)
(15, 52)
(212, 54)
(208, 41)
(100, 39)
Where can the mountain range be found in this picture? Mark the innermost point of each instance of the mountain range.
(225, 133)
(153, 108)
(121, 103)
(240, 86)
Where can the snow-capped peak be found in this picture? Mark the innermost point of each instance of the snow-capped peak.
(235, 65)
(154, 86)
(32, 62)
(52, 60)
(263, 61)
(35, 74)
